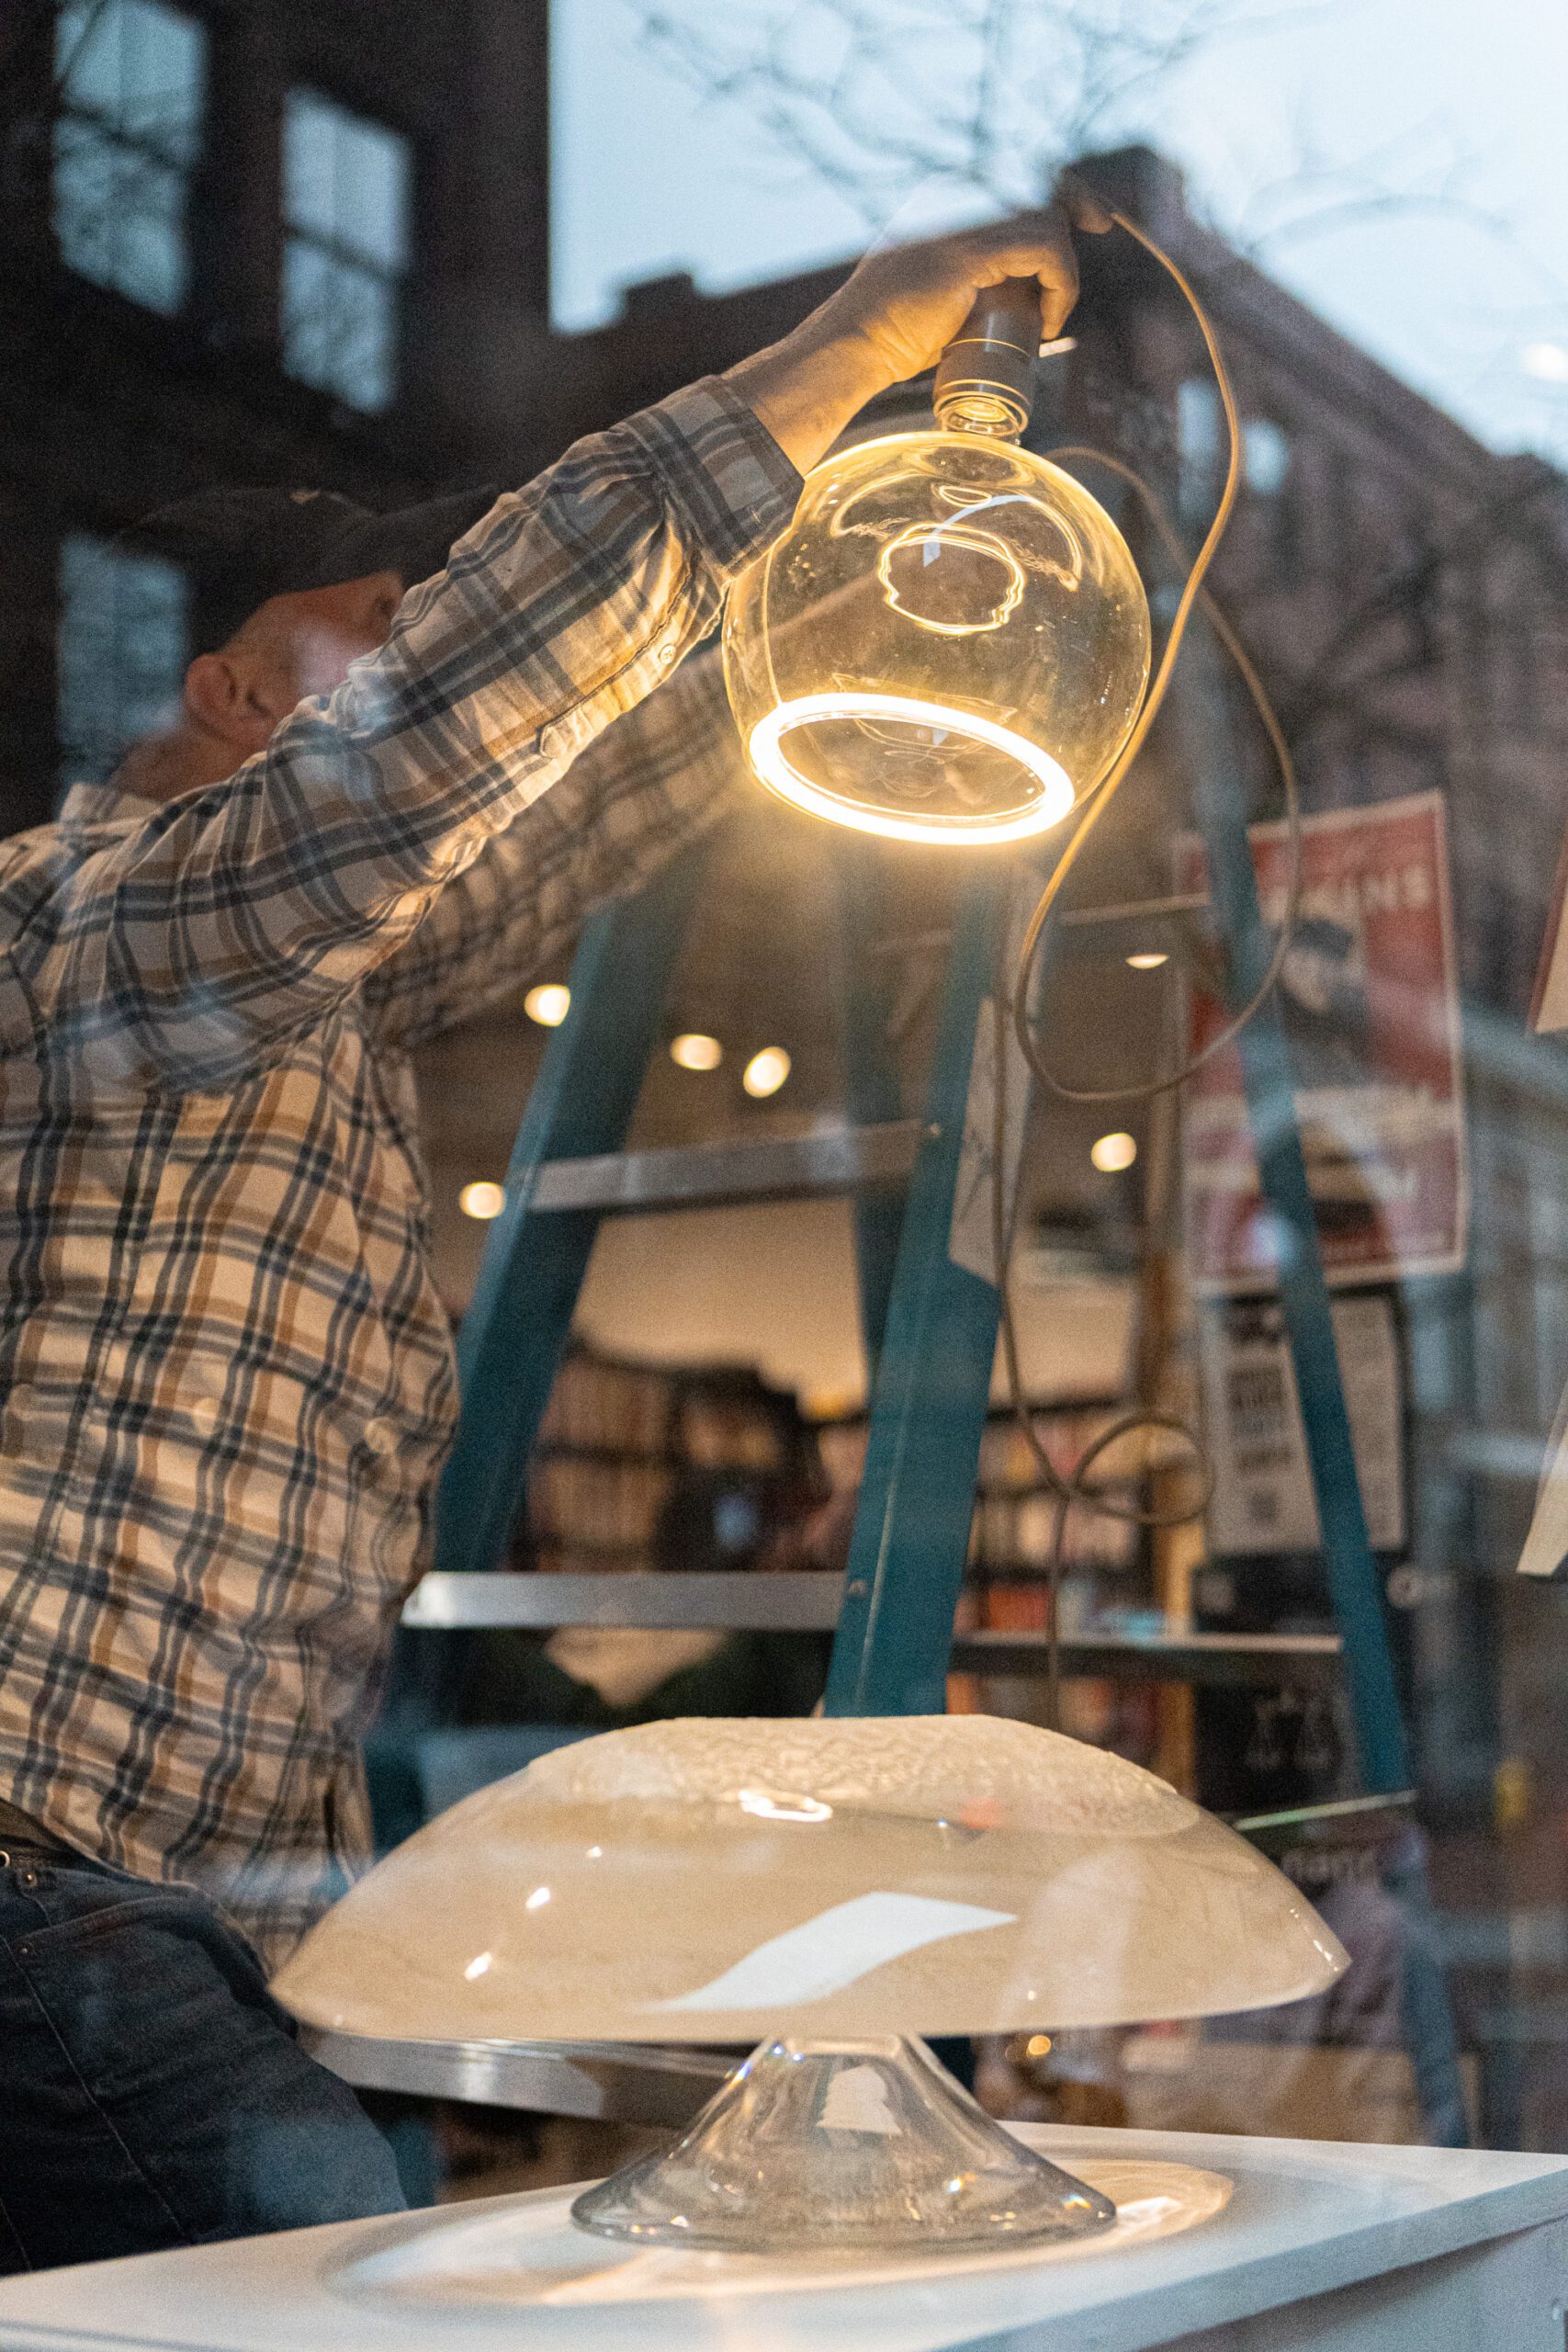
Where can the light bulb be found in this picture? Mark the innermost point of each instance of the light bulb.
(1112, 1153)
(1149, 960)
(950, 643)
(482, 1200)
(766, 1071)
(695, 1051)
(548, 1005)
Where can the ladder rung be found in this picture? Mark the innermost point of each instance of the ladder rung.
(1143, 926)
(843, 1159)
(1187, 902)
(796, 1601)
(630, 2082)
(807, 1600)
(1155, 1658)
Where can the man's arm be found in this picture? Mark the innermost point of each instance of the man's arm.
(662, 774)
(187, 950)
(654, 781)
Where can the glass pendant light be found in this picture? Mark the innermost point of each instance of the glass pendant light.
(951, 641)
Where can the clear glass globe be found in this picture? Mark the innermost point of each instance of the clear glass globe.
(950, 643)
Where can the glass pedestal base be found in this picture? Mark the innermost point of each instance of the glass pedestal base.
(853, 2146)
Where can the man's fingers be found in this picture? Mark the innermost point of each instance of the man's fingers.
(1054, 264)
(910, 301)
(1047, 252)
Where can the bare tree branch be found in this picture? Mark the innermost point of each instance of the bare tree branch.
(877, 97)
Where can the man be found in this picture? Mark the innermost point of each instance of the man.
(227, 1377)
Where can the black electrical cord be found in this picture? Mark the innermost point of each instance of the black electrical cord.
(1070, 1487)
(1038, 930)
(1074, 1486)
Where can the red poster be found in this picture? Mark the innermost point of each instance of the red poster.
(1370, 1006)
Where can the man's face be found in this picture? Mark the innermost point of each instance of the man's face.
(293, 647)
(321, 630)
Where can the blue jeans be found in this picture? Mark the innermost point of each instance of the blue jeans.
(152, 2092)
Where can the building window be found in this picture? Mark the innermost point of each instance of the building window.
(126, 133)
(345, 185)
(1200, 442)
(121, 653)
(1266, 456)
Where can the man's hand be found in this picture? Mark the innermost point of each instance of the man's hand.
(910, 302)
(896, 314)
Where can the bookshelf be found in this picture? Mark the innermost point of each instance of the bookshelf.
(611, 1448)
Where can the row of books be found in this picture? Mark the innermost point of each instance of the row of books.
(1018, 1530)
(1065, 1434)
(605, 1502)
(605, 1466)
(620, 1408)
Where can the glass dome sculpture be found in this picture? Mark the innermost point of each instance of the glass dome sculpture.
(950, 643)
(831, 1888)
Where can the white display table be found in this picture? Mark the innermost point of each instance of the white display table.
(1322, 2248)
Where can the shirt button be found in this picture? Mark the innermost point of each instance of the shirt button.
(380, 1437)
(21, 1398)
(203, 1416)
(667, 651)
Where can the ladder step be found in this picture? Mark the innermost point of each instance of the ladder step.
(843, 1159)
(1136, 910)
(1155, 1657)
(795, 1600)
(807, 1600)
(628, 2082)
(1140, 927)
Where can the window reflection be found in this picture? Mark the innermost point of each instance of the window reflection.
(345, 184)
(121, 651)
(131, 76)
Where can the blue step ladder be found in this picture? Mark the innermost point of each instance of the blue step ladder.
(928, 1321)
(929, 1316)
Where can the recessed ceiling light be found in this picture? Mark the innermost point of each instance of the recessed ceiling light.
(1112, 1153)
(548, 1005)
(482, 1200)
(1149, 960)
(693, 1050)
(766, 1071)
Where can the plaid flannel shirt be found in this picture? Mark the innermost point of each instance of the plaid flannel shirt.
(227, 1377)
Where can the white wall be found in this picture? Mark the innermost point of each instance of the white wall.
(775, 1286)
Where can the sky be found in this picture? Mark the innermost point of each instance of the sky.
(1447, 114)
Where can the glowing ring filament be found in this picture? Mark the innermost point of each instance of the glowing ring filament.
(975, 542)
(767, 754)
